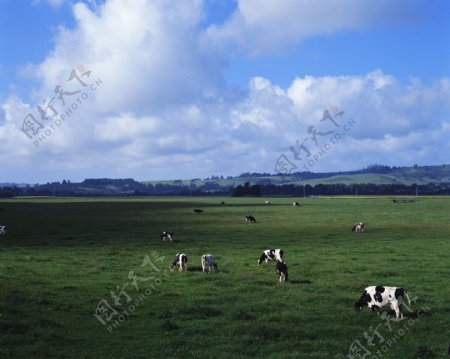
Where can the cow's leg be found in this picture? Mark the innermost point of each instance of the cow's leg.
(396, 308)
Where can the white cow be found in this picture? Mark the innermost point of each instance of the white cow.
(271, 254)
(376, 297)
(180, 262)
(358, 227)
(166, 236)
(267, 202)
(2, 230)
(208, 262)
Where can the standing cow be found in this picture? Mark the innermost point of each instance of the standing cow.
(376, 297)
(180, 262)
(282, 271)
(208, 262)
(167, 236)
(358, 227)
(270, 255)
(249, 219)
(2, 230)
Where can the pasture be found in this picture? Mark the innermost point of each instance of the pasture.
(63, 258)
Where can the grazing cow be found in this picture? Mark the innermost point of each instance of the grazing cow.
(222, 203)
(208, 262)
(376, 297)
(358, 227)
(199, 211)
(267, 202)
(2, 230)
(270, 255)
(282, 271)
(295, 204)
(249, 219)
(180, 262)
(166, 236)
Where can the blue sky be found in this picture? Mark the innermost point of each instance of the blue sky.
(185, 89)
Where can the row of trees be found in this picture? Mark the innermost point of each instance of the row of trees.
(133, 188)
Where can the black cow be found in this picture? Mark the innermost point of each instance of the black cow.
(376, 297)
(270, 255)
(282, 271)
(167, 236)
(249, 219)
(180, 262)
(358, 227)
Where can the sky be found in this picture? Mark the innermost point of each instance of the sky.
(154, 90)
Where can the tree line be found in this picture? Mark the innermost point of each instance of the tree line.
(128, 187)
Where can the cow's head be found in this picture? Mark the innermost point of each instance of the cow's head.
(363, 301)
(262, 258)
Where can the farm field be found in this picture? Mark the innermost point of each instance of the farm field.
(64, 258)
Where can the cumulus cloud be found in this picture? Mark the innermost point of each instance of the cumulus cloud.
(163, 110)
(266, 27)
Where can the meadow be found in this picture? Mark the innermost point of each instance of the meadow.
(64, 258)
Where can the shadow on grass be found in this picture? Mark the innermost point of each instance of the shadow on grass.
(199, 269)
(416, 314)
(305, 281)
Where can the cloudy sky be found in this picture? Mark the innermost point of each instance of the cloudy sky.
(154, 89)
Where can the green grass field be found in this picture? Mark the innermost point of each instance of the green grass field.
(62, 258)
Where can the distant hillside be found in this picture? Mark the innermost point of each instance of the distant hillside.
(374, 180)
(375, 174)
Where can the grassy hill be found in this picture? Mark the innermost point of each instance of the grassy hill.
(373, 174)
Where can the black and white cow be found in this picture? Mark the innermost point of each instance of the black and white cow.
(270, 255)
(2, 230)
(249, 219)
(358, 227)
(282, 271)
(167, 236)
(208, 262)
(267, 202)
(376, 297)
(180, 262)
(295, 204)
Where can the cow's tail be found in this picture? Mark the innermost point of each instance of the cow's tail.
(408, 300)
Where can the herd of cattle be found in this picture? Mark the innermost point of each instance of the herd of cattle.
(374, 297)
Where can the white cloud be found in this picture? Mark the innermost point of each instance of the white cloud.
(164, 111)
(266, 26)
